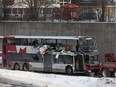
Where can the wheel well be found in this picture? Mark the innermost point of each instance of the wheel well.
(16, 64)
(104, 68)
(68, 66)
(69, 70)
(25, 64)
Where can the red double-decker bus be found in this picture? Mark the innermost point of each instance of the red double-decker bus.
(66, 54)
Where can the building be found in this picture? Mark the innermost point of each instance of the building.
(65, 2)
(103, 8)
(99, 8)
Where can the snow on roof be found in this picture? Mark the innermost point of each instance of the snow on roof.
(54, 6)
(20, 5)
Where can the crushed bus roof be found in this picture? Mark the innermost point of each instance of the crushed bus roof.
(47, 37)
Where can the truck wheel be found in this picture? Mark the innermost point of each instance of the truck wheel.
(105, 73)
(115, 73)
(26, 67)
(69, 70)
(16, 66)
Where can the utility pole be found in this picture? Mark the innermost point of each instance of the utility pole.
(103, 11)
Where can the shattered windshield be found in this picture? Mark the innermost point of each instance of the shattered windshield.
(87, 45)
(90, 44)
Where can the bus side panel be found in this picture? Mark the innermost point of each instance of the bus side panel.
(47, 62)
(36, 66)
(37, 63)
(60, 63)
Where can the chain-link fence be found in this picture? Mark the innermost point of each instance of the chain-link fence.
(67, 14)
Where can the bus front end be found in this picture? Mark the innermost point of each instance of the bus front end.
(88, 50)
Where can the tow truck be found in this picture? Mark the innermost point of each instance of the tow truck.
(108, 67)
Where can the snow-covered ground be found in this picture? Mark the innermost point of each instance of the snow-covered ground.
(53, 80)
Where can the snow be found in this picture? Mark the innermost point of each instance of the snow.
(56, 80)
(54, 6)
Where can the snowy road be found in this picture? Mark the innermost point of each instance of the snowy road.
(12, 83)
(12, 78)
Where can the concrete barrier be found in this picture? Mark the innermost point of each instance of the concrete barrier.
(105, 33)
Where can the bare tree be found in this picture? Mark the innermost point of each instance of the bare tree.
(5, 4)
(102, 4)
(34, 6)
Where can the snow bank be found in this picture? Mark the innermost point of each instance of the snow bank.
(52, 80)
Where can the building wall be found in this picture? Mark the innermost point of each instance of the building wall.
(105, 33)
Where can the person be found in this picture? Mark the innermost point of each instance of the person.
(83, 46)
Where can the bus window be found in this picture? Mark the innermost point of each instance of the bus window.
(65, 59)
(69, 60)
(10, 57)
(55, 60)
(35, 57)
(31, 58)
(17, 57)
(60, 47)
(61, 60)
(72, 44)
(40, 58)
(27, 57)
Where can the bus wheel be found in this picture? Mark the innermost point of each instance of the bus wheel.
(16, 66)
(26, 67)
(105, 73)
(115, 73)
(69, 70)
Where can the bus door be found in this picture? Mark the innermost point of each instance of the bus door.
(79, 66)
(47, 62)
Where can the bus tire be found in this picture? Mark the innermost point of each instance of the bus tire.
(105, 73)
(26, 67)
(16, 66)
(114, 73)
(69, 70)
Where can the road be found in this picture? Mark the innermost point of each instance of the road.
(10, 83)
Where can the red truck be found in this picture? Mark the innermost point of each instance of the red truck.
(108, 67)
